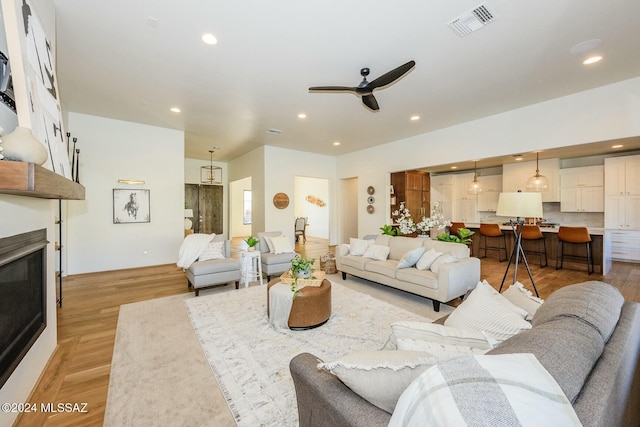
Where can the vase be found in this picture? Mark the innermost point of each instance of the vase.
(22, 146)
(251, 248)
(304, 274)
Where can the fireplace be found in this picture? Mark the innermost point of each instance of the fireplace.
(23, 285)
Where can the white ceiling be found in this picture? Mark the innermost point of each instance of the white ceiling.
(133, 60)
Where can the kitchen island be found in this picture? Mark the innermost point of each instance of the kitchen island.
(601, 262)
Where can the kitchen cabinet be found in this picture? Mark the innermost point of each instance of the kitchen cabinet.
(582, 189)
(622, 192)
(491, 189)
(412, 188)
(625, 245)
(442, 191)
(465, 208)
(515, 176)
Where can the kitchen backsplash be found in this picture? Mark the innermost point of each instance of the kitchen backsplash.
(551, 213)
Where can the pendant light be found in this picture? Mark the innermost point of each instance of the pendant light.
(475, 186)
(537, 182)
(211, 174)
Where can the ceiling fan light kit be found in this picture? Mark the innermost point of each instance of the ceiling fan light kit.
(365, 88)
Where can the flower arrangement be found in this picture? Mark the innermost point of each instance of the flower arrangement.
(436, 220)
(404, 220)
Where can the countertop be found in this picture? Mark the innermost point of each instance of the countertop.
(594, 231)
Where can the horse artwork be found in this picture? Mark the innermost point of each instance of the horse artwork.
(130, 206)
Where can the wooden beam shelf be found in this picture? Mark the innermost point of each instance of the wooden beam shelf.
(31, 180)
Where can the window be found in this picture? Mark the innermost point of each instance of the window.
(247, 207)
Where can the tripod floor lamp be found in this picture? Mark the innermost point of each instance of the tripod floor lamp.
(519, 205)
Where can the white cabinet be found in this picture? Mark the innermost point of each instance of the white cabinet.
(515, 176)
(582, 189)
(622, 192)
(491, 188)
(464, 204)
(442, 191)
(625, 245)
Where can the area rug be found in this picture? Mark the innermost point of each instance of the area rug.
(251, 360)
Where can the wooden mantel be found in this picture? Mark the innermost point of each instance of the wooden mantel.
(31, 180)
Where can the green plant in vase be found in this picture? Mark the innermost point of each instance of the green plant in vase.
(301, 268)
(463, 236)
(251, 242)
(389, 230)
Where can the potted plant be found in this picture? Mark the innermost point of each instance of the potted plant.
(389, 230)
(301, 268)
(252, 242)
(463, 236)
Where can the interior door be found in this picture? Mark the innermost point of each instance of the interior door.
(206, 202)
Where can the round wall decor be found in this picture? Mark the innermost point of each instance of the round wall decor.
(371, 200)
(370, 209)
(280, 200)
(371, 190)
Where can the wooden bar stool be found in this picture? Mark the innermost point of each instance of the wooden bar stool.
(576, 236)
(533, 233)
(492, 231)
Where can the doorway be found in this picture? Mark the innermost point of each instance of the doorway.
(206, 202)
(311, 197)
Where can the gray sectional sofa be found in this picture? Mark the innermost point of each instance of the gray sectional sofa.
(452, 280)
(585, 335)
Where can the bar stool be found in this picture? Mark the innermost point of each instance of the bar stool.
(577, 236)
(533, 233)
(494, 232)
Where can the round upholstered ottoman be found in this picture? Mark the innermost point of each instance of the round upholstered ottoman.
(311, 308)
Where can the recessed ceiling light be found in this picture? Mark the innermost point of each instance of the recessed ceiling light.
(617, 146)
(336, 143)
(454, 167)
(209, 38)
(302, 116)
(175, 109)
(592, 60)
(414, 118)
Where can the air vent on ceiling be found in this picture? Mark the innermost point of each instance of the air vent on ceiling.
(472, 20)
(274, 131)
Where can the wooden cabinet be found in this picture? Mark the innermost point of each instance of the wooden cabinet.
(491, 189)
(515, 176)
(622, 192)
(582, 189)
(412, 188)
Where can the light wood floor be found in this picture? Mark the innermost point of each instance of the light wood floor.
(79, 369)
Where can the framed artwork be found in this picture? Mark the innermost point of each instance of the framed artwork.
(130, 206)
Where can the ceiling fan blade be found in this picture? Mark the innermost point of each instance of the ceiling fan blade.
(333, 88)
(370, 102)
(392, 75)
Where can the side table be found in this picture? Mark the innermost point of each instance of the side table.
(251, 269)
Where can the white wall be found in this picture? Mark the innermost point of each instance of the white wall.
(281, 167)
(317, 215)
(252, 165)
(236, 208)
(604, 113)
(112, 150)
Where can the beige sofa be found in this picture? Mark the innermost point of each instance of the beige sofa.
(452, 280)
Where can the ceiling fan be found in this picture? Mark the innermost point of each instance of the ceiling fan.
(365, 88)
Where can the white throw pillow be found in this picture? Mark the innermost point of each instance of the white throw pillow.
(506, 389)
(425, 261)
(481, 311)
(269, 242)
(359, 246)
(214, 250)
(438, 334)
(523, 298)
(447, 258)
(504, 301)
(377, 252)
(380, 377)
(410, 258)
(281, 245)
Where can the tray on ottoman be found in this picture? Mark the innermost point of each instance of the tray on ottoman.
(315, 280)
